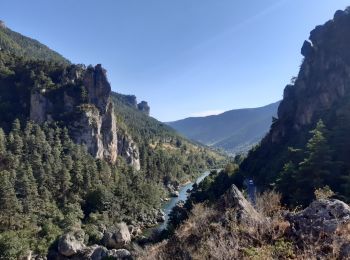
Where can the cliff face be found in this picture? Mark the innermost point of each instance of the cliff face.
(131, 101)
(144, 107)
(89, 116)
(128, 149)
(323, 80)
(321, 91)
(2, 24)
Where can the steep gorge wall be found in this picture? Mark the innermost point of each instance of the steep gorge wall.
(89, 116)
(323, 80)
(321, 91)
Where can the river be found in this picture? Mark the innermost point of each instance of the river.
(183, 194)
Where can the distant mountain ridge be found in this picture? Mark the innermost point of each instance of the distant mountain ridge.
(233, 131)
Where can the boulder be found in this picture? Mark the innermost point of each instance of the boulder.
(99, 253)
(160, 216)
(121, 254)
(323, 216)
(70, 243)
(245, 211)
(135, 231)
(94, 252)
(175, 194)
(117, 237)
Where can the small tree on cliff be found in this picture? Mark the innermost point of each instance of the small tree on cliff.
(314, 170)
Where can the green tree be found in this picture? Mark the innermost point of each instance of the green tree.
(9, 204)
(2, 144)
(27, 190)
(315, 169)
(15, 139)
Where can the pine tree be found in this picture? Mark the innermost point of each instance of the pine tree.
(15, 139)
(2, 144)
(64, 184)
(286, 182)
(315, 168)
(9, 205)
(27, 189)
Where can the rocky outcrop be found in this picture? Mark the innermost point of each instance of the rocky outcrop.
(118, 237)
(244, 210)
(321, 231)
(324, 77)
(325, 222)
(71, 243)
(144, 107)
(127, 148)
(161, 216)
(321, 217)
(129, 100)
(38, 107)
(83, 105)
(2, 24)
(96, 252)
(71, 246)
(175, 194)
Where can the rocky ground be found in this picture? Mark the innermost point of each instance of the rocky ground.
(234, 229)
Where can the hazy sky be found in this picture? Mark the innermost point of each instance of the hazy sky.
(185, 57)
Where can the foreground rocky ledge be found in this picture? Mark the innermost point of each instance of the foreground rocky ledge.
(233, 228)
(71, 245)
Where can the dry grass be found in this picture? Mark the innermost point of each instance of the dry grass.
(215, 234)
(268, 204)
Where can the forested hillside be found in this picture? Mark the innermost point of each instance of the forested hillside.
(74, 156)
(20, 45)
(234, 131)
(49, 184)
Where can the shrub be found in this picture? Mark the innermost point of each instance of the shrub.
(269, 203)
(324, 193)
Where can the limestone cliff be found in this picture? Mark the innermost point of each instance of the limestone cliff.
(320, 91)
(2, 24)
(89, 115)
(323, 80)
(127, 148)
(131, 101)
(144, 107)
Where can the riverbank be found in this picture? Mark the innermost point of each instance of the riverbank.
(168, 205)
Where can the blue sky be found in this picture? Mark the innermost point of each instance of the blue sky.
(185, 57)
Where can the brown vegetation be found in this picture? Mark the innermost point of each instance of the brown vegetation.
(213, 233)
